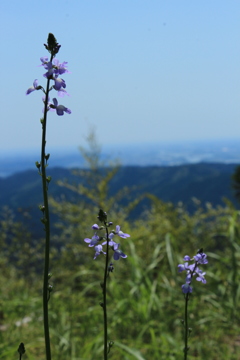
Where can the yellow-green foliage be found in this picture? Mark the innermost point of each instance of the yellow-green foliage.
(145, 302)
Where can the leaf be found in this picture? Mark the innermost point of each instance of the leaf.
(131, 351)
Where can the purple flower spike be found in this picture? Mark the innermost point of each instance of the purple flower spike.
(118, 253)
(120, 233)
(33, 88)
(193, 269)
(98, 251)
(60, 109)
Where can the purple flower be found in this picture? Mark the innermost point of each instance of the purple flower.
(48, 66)
(186, 288)
(60, 68)
(200, 276)
(62, 92)
(118, 253)
(59, 83)
(60, 86)
(95, 227)
(93, 241)
(44, 61)
(60, 109)
(120, 233)
(98, 251)
(201, 258)
(34, 87)
(110, 240)
(193, 269)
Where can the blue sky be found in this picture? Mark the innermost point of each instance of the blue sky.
(141, 71)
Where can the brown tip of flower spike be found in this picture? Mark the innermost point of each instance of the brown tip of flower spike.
(52, 46)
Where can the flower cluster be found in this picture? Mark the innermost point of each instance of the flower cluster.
(107, 239)
(53, 70)
(193, 269)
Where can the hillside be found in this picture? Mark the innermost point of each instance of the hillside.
(206, 182)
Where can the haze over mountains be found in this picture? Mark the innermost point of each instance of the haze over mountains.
(172, 172)
(146, 154)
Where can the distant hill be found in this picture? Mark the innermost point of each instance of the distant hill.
(204, 181)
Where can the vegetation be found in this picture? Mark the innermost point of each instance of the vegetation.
(145, 301)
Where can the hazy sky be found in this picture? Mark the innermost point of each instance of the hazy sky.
(141, 71)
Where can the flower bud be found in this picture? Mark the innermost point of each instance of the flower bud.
(102, 216)
(38, 164)
(42, 208)
(21, 349)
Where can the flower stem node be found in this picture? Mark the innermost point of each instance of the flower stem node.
(49, 275)
(110, 345)
(48, 179)
(50, 288)
(38, 164)
(47, 157)
(101, 304)
(42, 208)
(110, 267)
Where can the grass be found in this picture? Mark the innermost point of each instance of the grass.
(144, 294)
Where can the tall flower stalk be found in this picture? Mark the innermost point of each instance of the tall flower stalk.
(111, 245)
(54, 69)
(192, 270)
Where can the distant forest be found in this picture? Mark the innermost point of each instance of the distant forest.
(189, 184)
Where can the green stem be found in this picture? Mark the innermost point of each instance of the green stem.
(105, 300)
(46, 227)
(186, 332)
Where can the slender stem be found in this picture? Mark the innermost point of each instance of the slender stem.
(105, 300)
(186, 331)
(46, 227)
